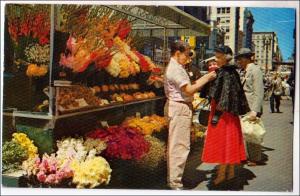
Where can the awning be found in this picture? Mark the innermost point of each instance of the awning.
(157, 18)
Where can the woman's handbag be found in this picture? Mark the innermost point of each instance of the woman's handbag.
(253, 131)
(204, 112)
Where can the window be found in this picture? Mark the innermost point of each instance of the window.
(223, 11)
(227, 21)
(227, 29)
(227, 37)
(228, 10)
(218, 10)
(218, 19)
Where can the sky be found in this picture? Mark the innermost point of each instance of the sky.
(279, 20)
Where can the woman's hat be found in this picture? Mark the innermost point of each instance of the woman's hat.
(244, 52)
(224, 49)
(213, 58)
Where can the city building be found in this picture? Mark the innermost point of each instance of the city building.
(266, 50)
(247, 25)
(237, 23)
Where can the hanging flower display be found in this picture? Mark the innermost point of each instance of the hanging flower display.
(38, 54)
(124, 28)
(145, 66)
(34, 24)
(114, 68)
(79, 57)
(122, 142)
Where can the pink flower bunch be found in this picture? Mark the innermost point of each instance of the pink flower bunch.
(122, 142)
(50, 172)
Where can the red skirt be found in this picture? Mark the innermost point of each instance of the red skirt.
(224, 141)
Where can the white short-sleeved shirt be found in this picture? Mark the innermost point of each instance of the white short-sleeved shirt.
(175, 78)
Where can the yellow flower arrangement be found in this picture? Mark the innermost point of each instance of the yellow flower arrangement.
(35, 70)
(91, 173)
(147, 125)
(124, 67)
(26, 143)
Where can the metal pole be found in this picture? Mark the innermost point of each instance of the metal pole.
(51, 88)
(164, 48)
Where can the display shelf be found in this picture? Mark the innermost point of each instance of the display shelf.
(46, 116)
(30, 115)
(117, 105)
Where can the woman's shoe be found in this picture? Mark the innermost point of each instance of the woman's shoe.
(219, 180)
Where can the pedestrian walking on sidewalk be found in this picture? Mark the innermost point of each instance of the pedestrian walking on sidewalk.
(178, 109)
(276, 93)
(254, 90)
(291, 82)
(224, 143)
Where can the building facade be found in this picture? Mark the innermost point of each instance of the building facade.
(266, 50)
(248, 29)
(237, 23)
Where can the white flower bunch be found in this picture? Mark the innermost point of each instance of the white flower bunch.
(71, 148)
(38, 54)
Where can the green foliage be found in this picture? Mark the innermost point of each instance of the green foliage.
(13, 154)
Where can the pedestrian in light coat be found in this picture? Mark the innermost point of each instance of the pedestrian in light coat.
(254, 90)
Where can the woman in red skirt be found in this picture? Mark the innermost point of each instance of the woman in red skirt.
(224, 140)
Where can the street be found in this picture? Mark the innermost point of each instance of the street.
(276, 172)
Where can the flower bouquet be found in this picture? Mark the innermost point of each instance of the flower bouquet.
(122, 142)
(13, 154)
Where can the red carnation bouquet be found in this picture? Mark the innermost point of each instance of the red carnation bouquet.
(122, 142)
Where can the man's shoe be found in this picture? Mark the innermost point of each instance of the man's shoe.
(251, 164)
(177, 188)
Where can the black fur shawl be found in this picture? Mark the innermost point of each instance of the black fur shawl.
(228, 91)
